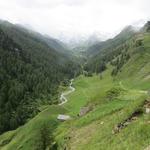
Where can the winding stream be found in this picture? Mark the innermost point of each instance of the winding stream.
(63, 98)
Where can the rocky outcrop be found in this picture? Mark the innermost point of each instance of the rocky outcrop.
(133, 117)
(84, 110)
(147, 106)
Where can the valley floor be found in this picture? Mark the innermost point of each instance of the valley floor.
(99, 128)
(110, 104)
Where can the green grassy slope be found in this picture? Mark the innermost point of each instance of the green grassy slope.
(87, 89)
(26, 137)
(112, 100)
(136, 72)
(94, 130)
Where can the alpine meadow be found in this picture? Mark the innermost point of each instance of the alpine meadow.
(74, 75)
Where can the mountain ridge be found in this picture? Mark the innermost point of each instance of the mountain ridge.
(113, 86)
(31, 72)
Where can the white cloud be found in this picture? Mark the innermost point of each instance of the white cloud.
(75, 17)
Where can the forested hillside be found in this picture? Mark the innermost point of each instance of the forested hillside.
(108, 108)
(30, 73)
(118, 51)
(103, 52)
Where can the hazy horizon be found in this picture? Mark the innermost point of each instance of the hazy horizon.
(67, 19)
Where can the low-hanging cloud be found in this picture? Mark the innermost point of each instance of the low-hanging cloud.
(68, 18)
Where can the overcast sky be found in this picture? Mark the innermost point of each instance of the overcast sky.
(71, 18)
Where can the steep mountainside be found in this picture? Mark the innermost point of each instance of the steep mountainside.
(30, 73)
(108, 109)
(111, 106)
(14, 30)
(100, 54)
(124, 35)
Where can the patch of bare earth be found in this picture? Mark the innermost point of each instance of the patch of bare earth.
(82, 136)
(132, 118)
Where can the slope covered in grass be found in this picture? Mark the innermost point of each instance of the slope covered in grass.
(95, 129)
(116, 118)
(87, 89)
(27, 137)
(136, 72)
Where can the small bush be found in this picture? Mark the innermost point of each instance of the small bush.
(113, 92)
(139, 42)
(45, 139)
(88, 74)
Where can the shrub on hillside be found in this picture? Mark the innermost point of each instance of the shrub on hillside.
(88, 74)
(139, 42)
(45, 139)
(113, 93)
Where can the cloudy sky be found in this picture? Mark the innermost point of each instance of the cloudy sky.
(73, 18)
